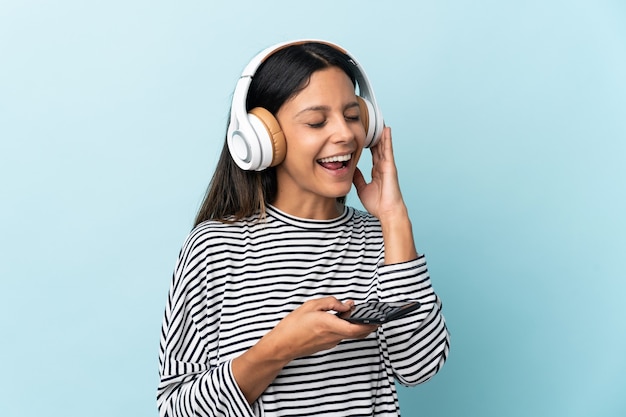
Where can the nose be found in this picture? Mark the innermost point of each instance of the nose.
(344, 130)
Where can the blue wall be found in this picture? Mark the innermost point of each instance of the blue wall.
(509, 121)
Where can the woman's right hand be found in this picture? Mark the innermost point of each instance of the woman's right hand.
(311, 328)
(308, 329)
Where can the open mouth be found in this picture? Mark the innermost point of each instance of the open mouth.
(335, 162)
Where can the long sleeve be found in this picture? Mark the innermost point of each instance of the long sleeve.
(417, 344)
(193, 380)
(234, 282)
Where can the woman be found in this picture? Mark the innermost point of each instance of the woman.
(274, 250)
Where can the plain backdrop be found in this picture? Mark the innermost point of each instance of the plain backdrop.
(509, 124)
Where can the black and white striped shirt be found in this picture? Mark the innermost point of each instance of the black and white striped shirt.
(234, 282)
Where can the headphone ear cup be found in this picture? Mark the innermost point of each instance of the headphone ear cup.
(270, 136)
(368, 118)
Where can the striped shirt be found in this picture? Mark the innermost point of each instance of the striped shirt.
(234, 282)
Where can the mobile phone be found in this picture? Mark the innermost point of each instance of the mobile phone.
(379, 312)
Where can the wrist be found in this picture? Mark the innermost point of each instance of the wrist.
(397, 217)
(268, 353)
(255, 369)
(398, 236)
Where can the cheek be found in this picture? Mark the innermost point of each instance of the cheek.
(298, 157)
(360, 134)
(357, 156)
(301, 144)
(361, 141)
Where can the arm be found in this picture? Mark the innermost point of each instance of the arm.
(382, 198)
(194, 382)
(418, 344)
(306, 330)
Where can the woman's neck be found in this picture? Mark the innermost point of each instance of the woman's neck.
(317, 209)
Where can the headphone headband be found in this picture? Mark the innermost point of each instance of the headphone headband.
(256, 62)
(251, 154)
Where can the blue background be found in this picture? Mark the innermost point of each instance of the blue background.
(510, 133)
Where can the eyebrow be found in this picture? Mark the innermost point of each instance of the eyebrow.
(327, 108)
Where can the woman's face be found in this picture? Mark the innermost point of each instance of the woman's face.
(325, 137)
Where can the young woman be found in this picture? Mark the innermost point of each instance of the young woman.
(248, 327)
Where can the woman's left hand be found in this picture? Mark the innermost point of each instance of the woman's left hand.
(382, 196)
(383, 199)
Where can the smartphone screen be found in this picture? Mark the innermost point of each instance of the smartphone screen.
(378, 312)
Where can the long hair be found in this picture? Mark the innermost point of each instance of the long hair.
(234, 193)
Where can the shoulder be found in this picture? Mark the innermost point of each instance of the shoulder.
(211, 233)
(209, 242)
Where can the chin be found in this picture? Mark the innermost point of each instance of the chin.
(340, 193)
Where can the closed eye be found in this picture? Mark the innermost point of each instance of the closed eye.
(317, 125)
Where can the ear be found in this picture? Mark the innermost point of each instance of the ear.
(269, 133)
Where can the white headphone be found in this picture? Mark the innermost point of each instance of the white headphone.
(255, 138)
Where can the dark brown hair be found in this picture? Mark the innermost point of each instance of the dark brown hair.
(234, 193)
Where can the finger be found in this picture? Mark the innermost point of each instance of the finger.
(387, 161)
(360, 331)
(382, 149)
(324, 304)
(358, 179)
(388, 144)
(349, 305)
(376, 150)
